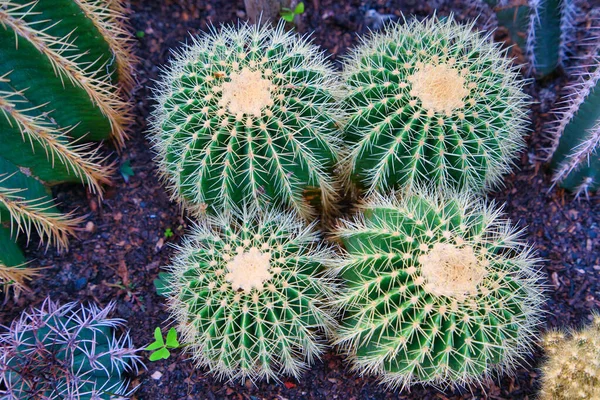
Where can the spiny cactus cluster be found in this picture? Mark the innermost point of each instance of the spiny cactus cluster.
(248, 115)
(440, 290)
(572, 370)
(250, 294)
(575, 133)
(58, 90)
(432, 103)
(65, 352)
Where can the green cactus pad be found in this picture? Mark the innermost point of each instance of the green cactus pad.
(439, 290)
(432, 102)
(249, 115)
(250, 296)
(65, 352)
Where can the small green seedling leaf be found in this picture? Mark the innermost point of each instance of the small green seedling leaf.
(168, 233)
(161, 351)
(158, 336)
(153, 346)
(288, 16)
(126, 170)
(172, 339)
(161, 354)
(299, 8)
(140, 34)
(158, 340)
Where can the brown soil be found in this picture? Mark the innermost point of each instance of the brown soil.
(120, 253)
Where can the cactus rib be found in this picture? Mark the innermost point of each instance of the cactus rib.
(579, 169)
(544, 47)
(81, 160)
(28, 214)
(575, 135)
(13, 269)
(15, 277)
(108, 17)
(65, 64)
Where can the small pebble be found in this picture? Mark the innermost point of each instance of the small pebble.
(90, 227)
(156, 375)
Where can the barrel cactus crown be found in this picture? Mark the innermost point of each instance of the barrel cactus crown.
(572, 370)
(250, 294)
(439, 290)
(249, 115)
(431, 102)
(65, 352)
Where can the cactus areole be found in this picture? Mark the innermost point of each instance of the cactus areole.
(248, 115)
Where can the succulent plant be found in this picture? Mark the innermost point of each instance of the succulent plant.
(249, 115)
(65, 352)
(572, 369)
(575, 133)
(431, 102)
(550, 32)
(250, 294)
(440, 290)
(60, 63)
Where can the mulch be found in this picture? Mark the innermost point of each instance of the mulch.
(122, 245)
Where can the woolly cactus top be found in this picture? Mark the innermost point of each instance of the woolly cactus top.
(440, 290)
(572, 370)
(432, 102)
(248, 115)
(250, 296)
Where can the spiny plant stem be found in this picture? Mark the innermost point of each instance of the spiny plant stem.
(575, 134)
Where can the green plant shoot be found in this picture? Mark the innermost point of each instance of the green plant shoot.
(160, 347)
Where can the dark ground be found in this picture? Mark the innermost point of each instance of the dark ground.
(123, 246)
